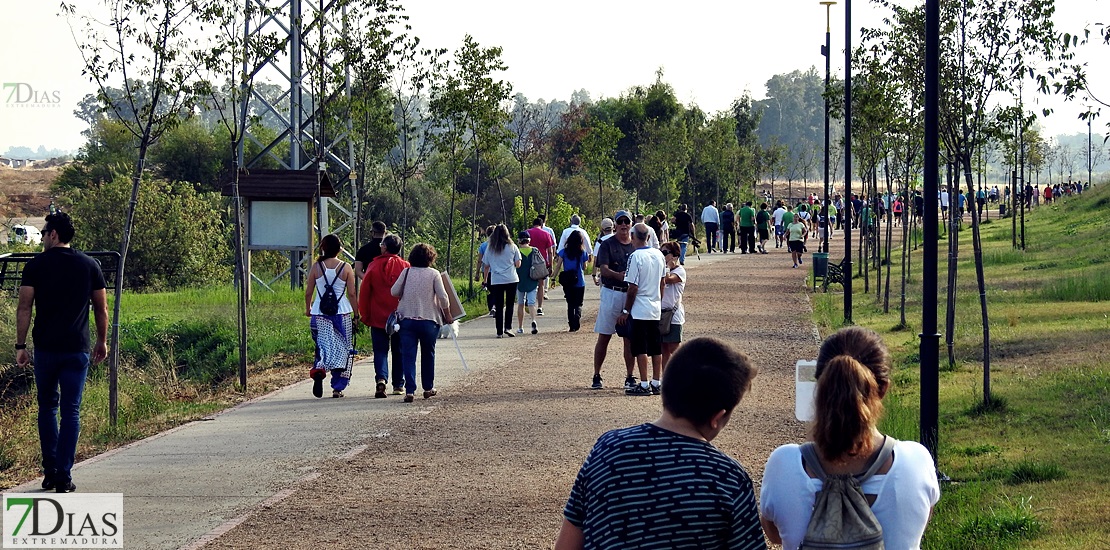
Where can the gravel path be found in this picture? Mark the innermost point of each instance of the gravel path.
(490, 461)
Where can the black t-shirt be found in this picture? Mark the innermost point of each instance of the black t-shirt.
(614, 255)
(683, 224)
(368, 252)
(64, 280)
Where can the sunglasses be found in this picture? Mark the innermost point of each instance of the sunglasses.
(626, 222)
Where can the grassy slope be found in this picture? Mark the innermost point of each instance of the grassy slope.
(1031, 474)
(180, 363)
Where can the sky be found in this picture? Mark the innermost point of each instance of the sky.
(710, 51)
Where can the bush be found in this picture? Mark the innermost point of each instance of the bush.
(178, 238)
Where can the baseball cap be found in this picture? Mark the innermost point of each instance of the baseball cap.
(524, 236)
(620, 214)
(606, 223)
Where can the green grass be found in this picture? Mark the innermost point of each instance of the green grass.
(179, 362)
(1028, 468)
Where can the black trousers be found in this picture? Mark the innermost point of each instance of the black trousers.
(504, 297)
(574, 296)
(728, 240)
(711, 235)
(747, 239)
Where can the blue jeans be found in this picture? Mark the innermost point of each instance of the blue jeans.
(60, 381)
(682, 242)
(424, 332)
(384, 347)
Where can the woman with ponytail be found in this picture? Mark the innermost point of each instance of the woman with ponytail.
(853, 375)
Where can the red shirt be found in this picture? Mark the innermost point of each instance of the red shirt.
(375, 302)
(541, 240)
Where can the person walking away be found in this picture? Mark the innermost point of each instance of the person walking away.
(897, 208)
(58, 285)
(747, 228)
(370, 250)
(500, 261)
(570, 263)
(728, 229)
(643, 307)
(763, 227)
(526, 286)
(853, 376)
(796, 234)
(481, 276)
(705, 500)
(332, 329)
(375, 304)
(672, 300)
(575, 221)
(711, 219)
(423, 307)
(612, 262)
(780, 228)
(543, 238)
(683, 230)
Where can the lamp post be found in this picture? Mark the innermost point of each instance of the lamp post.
(826, 51)
(1089, 159)
(848, 160)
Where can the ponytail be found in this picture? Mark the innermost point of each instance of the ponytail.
(847, 406)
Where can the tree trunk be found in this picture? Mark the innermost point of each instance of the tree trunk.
(953, 259)
(980, 280)
(889, 236)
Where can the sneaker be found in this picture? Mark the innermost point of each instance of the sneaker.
(539, 311)
(638, 390)
(521, 331)
(493, 312)
(656, 389)
(510, 335)
(318, 383)
(379, 392)
(595, 386)
(535, 329)
(399, 391)
(630, 382)
(408, 398)
(430, 393)
(65, 487)
(48, 482)
(795, 266)
(336, 393)
(500, 335)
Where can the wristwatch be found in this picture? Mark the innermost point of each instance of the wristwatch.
(624, 311)
(20, 346)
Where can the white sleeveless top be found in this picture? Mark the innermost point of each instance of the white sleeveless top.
(338, 285)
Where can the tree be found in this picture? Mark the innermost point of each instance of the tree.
(529, 128)
(150, 39)
(599, 154)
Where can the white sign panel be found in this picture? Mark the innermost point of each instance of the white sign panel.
(63, 520)
(280, 225)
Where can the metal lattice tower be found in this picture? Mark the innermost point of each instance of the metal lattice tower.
(308, 29)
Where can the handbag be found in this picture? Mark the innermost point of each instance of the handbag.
(393, 322)
(665, 318)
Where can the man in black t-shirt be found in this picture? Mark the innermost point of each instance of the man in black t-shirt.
(370, 250)
(683, 230)
(58, 284)
(612, 262)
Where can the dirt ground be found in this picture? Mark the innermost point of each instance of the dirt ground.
(25, 192)
(491, 461)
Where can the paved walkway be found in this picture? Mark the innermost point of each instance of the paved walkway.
(188, 486)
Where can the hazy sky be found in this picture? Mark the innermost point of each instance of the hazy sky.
(710, 51)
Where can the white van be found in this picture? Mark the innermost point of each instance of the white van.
(25, 234)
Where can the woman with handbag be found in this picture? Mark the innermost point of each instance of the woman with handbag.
(671, 330)
(327, 303)
(853, 376)
(375, 305)
(571, 263)
(423, 307)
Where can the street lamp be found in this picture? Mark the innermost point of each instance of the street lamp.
(848, 160)
(826, 51)
(1089, 160)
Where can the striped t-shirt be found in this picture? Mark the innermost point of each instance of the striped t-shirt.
(646, 487)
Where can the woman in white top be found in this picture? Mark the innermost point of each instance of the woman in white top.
(332, 332)
(853, 375)
(499, 263)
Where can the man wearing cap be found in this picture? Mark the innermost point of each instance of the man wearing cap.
(370, 250)
(643, 307)
(574, 221)
(612, 263)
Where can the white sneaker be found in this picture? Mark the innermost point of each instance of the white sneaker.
(520, 331)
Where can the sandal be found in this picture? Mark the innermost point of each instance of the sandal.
(429, 393)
